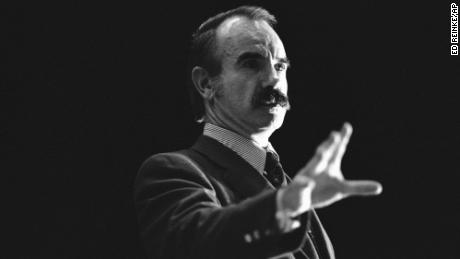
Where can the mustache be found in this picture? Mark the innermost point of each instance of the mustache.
(272, 96)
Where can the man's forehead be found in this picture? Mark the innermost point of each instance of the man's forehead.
(239, 33)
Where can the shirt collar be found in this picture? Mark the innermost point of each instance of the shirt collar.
(245, 148)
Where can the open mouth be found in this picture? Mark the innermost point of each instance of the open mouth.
(270, 102)
(270, 99)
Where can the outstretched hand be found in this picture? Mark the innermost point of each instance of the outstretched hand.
(321, 183)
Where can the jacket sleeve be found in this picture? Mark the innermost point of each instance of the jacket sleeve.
(180, 216)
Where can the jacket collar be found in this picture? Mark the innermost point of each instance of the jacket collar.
(238, 173)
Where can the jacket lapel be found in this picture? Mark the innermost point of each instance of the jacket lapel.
(246, 182)
(238, 174)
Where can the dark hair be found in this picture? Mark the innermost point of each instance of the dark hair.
(203, 47)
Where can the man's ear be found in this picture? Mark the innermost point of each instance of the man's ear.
(202, 82)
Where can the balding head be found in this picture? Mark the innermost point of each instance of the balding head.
(203, 50)
(248, 95)
(239, 34)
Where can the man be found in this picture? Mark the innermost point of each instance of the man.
(227, 196)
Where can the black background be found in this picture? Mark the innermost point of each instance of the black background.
(92, 89)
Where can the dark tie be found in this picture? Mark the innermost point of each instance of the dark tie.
(275, 174)
(273, 169)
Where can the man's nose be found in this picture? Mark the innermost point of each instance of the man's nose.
(272, 76)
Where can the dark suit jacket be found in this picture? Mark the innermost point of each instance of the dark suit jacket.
(207, 202)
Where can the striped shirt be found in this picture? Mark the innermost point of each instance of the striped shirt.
(245, 148)
(255, 156)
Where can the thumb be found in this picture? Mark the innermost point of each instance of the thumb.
(362, 188)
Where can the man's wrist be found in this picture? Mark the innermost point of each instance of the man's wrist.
(283, 215)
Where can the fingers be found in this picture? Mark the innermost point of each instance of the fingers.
(323, 154)
(331, 151)
(327, 148)
(362, 188)
(345, 135)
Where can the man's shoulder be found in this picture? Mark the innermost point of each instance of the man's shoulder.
(204, 147)
(183, 166)
(167, 159)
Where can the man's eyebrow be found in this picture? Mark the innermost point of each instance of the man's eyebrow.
(286, 61)
(249, 55)
(257, 55)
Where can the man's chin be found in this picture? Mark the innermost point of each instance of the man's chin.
(273, 108)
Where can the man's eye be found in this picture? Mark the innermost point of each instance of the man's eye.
(280, 66)
(252, 63)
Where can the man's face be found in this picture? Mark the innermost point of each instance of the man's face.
(252, 87)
